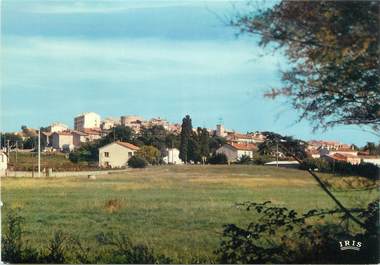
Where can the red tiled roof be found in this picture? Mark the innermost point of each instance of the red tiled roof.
(92, 131)
(345, 155)
(247, 147)
(344, 150)
(80, 133)
(128, 145)
(63, 133)
(339, 158)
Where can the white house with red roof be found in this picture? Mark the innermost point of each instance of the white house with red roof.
(116, 154)
(235, 151)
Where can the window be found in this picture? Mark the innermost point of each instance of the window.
(106, 154)
(130, 154)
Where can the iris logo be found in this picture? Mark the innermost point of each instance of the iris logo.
(350, 244)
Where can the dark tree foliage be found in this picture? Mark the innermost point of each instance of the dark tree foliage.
(204, 140)
(137, 162)
(172, 141)
(155, 136)
(244, 160)
(118, 133)
(186, 131)
(287, 145)
(334, 51)
(218, 159)
(12, 138)
(282, 235)
(193, 150)
(216, 142)
(372, 148)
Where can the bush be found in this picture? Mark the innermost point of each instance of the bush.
(150, 154)
(366, 170)
(244, 160)
(137, 162)
(261, 159)
(282, 235)
(218, 159)
(316, 163)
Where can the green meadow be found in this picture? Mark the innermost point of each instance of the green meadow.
(179, 211)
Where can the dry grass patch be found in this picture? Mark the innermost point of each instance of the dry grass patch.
(253, 182)
(113, 205)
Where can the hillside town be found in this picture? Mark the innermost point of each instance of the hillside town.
(89, 127)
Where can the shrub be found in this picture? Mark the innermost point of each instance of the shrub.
(313, 164)
(137, 162)
(261, 159)
(366, 170)
(150, 154)
(282, 235)
(218, 159)
(244, 160)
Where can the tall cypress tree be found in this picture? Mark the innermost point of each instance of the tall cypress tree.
(204, 140)
(186, 130)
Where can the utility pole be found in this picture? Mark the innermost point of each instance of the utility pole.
(8, 148)
(276, 153)
(39, 152)
(16, 150)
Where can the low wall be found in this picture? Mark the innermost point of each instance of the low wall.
(30, 174)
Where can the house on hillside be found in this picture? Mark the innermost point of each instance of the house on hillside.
(79, 138)
(234, 151)
(172, 157)
(245, 138)
(62, 141)
(116, 154)
(343, 157)
(57, 127)
(3, 163)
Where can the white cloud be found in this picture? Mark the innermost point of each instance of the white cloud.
(38, 61)
(112, 6)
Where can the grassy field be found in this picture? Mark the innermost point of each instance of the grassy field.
(177, 210)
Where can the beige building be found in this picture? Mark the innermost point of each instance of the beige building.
(235, 151)
(116, 154)
(57, 127)
(62, 141)
(109, 123)
(125, 120)
(79, 138)
(87, 120)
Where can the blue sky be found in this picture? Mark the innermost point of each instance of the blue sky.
(151, 58)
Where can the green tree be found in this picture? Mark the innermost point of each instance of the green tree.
(119, 133)
(186, 132)
(150, 154)
(193, 150)
(12, 138)
(372, 148)
(216, 142)
(334, 55)
(155, 136)
(204, 141)
(274, 140)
